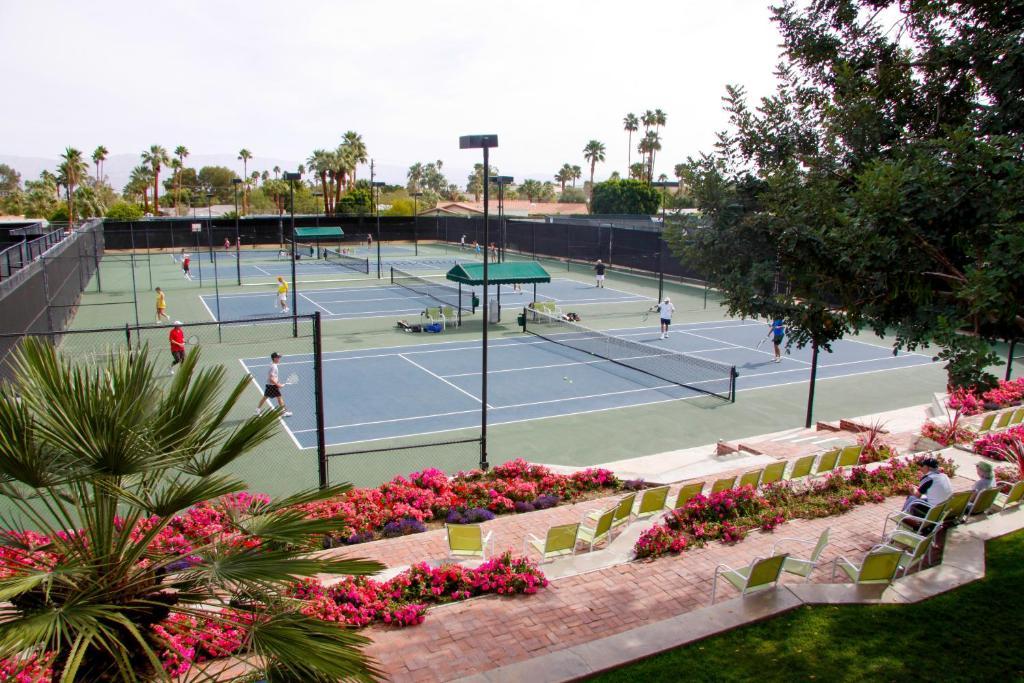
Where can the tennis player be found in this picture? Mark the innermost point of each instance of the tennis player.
(665, 311)
(369, 240)
(777, 333)
(161, 305)
(282, 294)
(177, 339)
(599, 273)
(185, 261)
(227, 244)
(462, 243)
(273, 386)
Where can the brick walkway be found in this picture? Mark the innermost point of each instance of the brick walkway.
(478, 635)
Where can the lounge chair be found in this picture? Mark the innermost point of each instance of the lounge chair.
(879, 567)
(982, 503)
(773, 473)
(850, 456)
(802, 467)
(760, 574)
(751, 478)
(687, 492)
(914, 549)
(602, 531)
(623, 511)
(468, 541)
(915, 523)
(827, 462)
(1004, 501)
(723, 485)
(559, 542)
(651, 502)
(1003, 420)
(798, 565)
(1018, 417)
(909, 540)
(986, 423)
(956, 506)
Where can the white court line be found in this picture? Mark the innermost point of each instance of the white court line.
(806, 438)
(284, 424)
(261, 270)
(435, 375)
(496, 408)
(203, 302)
(323, 308)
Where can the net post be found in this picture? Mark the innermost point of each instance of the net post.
(392, 270)
(732, 384)
(524, 319)
(1009, 359)
(318, 390)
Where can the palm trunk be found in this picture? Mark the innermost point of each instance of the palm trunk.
(156, 193)
(145, 199)
(71, 203)
(327, 199)
(593, 163)
(629, 153)
(339, 178)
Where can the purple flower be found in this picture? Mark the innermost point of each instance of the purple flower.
(545, 501)
(403, 527)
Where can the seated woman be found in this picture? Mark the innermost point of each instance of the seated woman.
(986, 479)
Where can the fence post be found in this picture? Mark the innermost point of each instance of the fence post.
(128, 335)
(46, 296)
(318, 389)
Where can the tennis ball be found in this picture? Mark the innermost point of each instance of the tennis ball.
(567, 380)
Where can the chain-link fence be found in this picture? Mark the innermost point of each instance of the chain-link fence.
(370, 466)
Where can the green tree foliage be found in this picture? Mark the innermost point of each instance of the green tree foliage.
(111, 454)
(357, 201)
(573, 195)
(10, 180)
(624, 197)
(531, 190)
(884, 178)
(217, 179)
(41, 196)
(124, 211)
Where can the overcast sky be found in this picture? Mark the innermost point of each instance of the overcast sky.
(284, 78)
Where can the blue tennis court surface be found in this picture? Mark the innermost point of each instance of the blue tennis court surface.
(405, 391)
(390, 301)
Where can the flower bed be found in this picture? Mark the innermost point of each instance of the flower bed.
(948, 434)
(998, 445)
(430, 495)
(1005, 394)
(729, 515)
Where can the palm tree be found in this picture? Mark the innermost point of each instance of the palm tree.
(415, 177)
(565, 175)
(72, 169)
(637, 171)
(100, 460)
(244, 155)
(630, 124)
(156, 157)
(277, 172)
(99, 155)
(593, 152)
(317, 163)
(181, 151)
(649, 118)
(139, 182)
(577, 173)
(176, 167)
(357, 148)
(650, 144)
(659, 121)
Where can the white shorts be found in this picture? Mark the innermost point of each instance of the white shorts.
(600, 278)
(282, 299)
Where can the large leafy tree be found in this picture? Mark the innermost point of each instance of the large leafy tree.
(99, 460)
(624, 197)
(882, 182)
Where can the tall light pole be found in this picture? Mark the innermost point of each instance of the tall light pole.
(501, 181)
(238, 261)
(216, 282)
(484, 142)
(292, 178)
(415, 221)
(374, 194)
(663, 184)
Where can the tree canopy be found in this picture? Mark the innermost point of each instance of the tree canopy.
(881, 186)
(624, 197)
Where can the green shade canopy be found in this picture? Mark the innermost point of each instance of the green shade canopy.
(528, 272)
(308, 233)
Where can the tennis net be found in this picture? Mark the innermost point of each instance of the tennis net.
(335, 257)
(692, 372)
(446, 295)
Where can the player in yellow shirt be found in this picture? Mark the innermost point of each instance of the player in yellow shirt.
(282, 294)
(161, 306)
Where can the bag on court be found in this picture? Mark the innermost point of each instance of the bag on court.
(432, 327)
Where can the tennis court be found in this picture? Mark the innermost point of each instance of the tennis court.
(392, 301)
(404, 391)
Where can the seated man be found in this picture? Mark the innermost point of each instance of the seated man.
(933, 488)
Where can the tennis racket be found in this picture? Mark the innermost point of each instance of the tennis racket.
(291, 379)
(760, 343)
(192, 341)
(647, 314)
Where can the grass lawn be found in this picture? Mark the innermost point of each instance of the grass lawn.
(970, 634)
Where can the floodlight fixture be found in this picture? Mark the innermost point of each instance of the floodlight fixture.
(291, 175)
(478, 141)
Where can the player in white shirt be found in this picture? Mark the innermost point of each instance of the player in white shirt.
(273, 386)
(665, 311)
